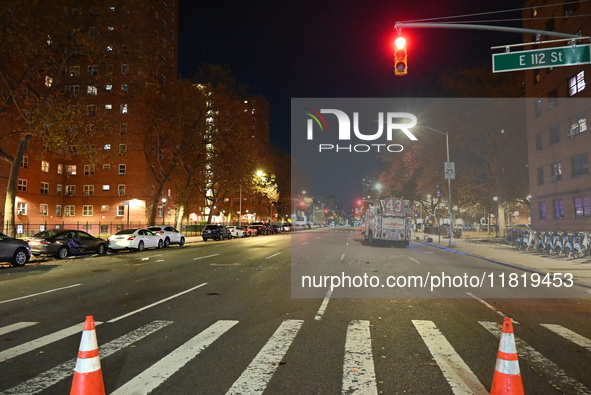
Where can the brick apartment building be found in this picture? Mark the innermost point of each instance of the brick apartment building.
(559, 143)
(55, 191)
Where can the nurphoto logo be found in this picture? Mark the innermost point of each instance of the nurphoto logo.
(388, 122)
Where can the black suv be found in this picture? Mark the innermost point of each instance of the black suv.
(216, 232)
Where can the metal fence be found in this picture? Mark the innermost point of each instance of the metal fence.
(100, 229)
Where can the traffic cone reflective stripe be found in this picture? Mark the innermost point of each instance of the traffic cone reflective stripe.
(507, 376)
(88, 377)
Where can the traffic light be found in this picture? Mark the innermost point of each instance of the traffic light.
(400, 56)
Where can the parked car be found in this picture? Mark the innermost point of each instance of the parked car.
(247, 231)
(216, 232)
(253, 230)
(262, 228)
(135, 239)
(171, 235)
(287, 227)
(62, 243)
(15, 251)
(235, 231)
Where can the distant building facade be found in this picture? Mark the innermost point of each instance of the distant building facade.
(559, 142)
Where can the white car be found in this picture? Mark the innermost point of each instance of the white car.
(135, 239)
(235, 231)
(170, 234)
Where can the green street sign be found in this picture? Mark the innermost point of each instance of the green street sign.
(542, 58)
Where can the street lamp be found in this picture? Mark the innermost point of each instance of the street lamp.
(451, 229)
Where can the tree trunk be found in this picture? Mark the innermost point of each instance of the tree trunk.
(179, 219)
(11, 187)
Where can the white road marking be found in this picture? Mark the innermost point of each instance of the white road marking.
(493, 308)
(347, 244)
(459, 376)
(414, 260)
(15, 327)
(271, 256)
(320, 312)
(359, 375)
(151, 378)
(155, 303)
(64, 371)
(255, 378)
(42, 341)
(342, 257)
(569, 335)
(541, 365)
(40, 293)
(206, 256)
(304, 243)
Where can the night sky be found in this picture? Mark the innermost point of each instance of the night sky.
(336, 48)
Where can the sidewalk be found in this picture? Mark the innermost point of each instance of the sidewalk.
(491, 248)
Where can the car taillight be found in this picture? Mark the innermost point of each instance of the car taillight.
(44, 242)
(131, 238)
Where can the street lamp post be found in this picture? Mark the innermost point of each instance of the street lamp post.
(163, 209)
(451, 229)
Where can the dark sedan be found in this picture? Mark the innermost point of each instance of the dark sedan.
(62, 243)
(15, 251)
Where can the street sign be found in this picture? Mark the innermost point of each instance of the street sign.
(450, 171)
(542, 58)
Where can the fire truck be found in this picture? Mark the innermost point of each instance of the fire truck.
(388, 220)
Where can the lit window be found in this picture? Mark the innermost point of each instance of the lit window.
(121, 190)
(108, 106)
(109, 87)
(43, 209)
(583, 207)
(91, 90)
(107, 147)
(25, 162)
(70, 190)
(87, 210)
(576, 84)
(21, 208)
(556, 171)
(120, 211)
(123, 108)
(106, 187)
(60, 169)
(70, 170)
(48, 81)
(70, 211)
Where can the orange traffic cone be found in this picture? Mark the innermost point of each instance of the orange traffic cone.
(507, 377)
(88, 377)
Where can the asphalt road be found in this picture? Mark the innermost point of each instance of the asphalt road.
(232, 317)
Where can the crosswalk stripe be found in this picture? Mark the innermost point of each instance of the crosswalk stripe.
(459, 376)
(149, 379)
(569, 335)
(15, 327)
(257, 375)
(555, 375)
(63, 371)
(359, 375)
(40, 342)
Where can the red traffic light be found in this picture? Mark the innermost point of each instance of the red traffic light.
(400, 56)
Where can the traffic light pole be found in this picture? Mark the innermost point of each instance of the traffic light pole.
(507, 29)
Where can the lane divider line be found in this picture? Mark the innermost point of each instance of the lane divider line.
(557, 377)
(257, 375)
(155, 303)
(271, 256)
(359, 376)
(64, 371)
(459, 376)
(206, 256)
(158, 373)
(323, 305)
(569, 335)
(493, 308)
(40, 293)
(15, 327)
